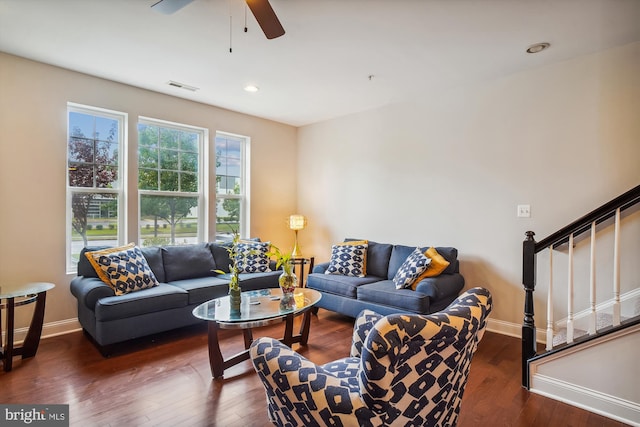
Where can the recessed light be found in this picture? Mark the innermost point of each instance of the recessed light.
(251, 88)
(538, 47)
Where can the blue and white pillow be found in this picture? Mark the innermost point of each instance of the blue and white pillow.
(411, 268)
(348, 260)
(124, 268)
(252, 257)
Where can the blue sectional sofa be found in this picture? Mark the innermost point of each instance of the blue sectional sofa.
(376, 291)
(186, 279)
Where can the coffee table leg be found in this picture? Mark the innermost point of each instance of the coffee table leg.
(304, 327)
(288, 331)
(216, 362)
(248, 337)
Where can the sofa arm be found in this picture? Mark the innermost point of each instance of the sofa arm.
(321, 268)
(441, 287)
(88, 290)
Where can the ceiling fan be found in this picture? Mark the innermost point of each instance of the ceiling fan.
(261, 9)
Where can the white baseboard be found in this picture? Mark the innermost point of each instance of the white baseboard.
(512, 329)
(50, 329)
(600, 403)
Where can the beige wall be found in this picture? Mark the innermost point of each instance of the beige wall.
(450, 168)
(33, 102)
(446, 169)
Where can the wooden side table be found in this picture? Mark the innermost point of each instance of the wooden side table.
(12, 296)
(302, 262)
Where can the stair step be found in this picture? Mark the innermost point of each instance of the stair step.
(603, 320)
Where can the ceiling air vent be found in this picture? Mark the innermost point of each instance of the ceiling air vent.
(182, 86)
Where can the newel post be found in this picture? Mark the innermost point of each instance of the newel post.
(528, 326)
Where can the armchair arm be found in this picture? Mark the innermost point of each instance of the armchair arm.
(299, 392)
(363, 325)
(88, 290)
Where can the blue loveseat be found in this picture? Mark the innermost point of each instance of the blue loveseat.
(376, 291)
(186, 279)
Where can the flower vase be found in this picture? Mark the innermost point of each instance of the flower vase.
(235, 299)
(288, 283)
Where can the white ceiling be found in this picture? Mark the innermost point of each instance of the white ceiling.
(320, 68)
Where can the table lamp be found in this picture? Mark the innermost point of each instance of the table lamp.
(297, 222)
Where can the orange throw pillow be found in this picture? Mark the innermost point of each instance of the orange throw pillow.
(436, 267)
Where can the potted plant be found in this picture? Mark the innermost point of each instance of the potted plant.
(235, 298)
(288, 280)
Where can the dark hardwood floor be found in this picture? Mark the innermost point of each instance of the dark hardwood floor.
(165, 381)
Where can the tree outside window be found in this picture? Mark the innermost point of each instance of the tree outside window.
(169, 184)
(93, 177)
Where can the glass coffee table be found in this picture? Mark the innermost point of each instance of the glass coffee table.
(259, 308)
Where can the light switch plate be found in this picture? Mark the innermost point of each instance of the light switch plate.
(524, 211)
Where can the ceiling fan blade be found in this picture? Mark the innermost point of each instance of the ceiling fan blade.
(168, 7)
(266, 17)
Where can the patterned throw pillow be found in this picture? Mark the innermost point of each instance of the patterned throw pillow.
(348, 260)
(252, 257)
(358, 242)
(410, 269)
(124, 268)
(437, 265)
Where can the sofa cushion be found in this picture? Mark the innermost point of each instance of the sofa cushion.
(385, 293)
(411, 268)
(399, 254)
(158, 298)
(337, 284)
(348, 260)
(187, 261)
(252, 257)
(153, 254)
(85, 268)
(123, 268)
(201, 289)
(451, 255)
(220, 252)
(255, 281)
(378, 255)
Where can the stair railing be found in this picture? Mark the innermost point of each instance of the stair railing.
(566, 235)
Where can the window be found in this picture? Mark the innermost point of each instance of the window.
(173, 200)
(171, 183)
(95, 202)
(231, 185)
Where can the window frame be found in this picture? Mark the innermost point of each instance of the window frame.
(122, 118)
(203, 175)
(244, 219)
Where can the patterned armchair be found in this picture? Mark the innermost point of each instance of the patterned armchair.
(407, 370)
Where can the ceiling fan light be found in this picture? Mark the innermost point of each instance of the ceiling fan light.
(251, 88)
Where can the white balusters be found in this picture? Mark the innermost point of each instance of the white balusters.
(570, 293)
(616, 270)
(550, 302)
(592, 281)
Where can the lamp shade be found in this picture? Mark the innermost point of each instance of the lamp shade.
(297, 222)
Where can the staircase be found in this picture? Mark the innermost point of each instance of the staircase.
(587, 277)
